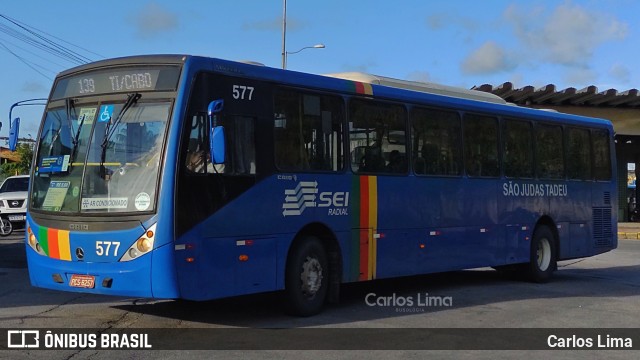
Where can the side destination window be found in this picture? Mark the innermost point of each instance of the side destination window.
(578, 154)
(601, 155)
(308, 131)
(517, 153)
(481, 146)
(436, 142)
(377, 137)
(549, 152)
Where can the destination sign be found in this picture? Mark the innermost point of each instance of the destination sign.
(117, 80)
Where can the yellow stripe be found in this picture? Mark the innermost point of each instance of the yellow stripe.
(368, 89)
(373, 225)
(105, 164)
(63, 245)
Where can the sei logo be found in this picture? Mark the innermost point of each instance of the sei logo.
(306, 195)
(337, 202)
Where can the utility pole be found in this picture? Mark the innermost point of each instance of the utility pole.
(284, 34)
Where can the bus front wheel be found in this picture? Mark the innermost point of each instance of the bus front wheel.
(306, 277)
(543, 256)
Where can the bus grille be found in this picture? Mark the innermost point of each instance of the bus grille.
(602, 227)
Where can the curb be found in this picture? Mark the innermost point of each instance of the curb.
(629, 235)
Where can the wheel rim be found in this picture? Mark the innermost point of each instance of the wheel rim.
(311, 277)
(5, 227)
(544, 254)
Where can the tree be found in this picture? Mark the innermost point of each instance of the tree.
(21, 167)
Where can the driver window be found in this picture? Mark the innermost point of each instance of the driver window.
(197, 158)
(241, 155)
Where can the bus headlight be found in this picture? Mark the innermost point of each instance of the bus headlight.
(33, 241)
(143, 245)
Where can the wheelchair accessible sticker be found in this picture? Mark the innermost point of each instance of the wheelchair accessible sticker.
(106, 111)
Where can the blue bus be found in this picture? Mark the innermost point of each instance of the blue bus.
(173, 176)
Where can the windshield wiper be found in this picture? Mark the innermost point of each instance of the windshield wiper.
(111, 128)
(74, 137)
(76, 140)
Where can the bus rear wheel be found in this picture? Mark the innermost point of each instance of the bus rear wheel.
(306, 277)
(543, 256)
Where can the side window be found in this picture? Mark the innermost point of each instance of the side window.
(578, 154)
(549, 152)
(517, 153)
(308, 132)
(601, 155)
(241, 153)
(481, 146)
(435, 142)
(377, 137)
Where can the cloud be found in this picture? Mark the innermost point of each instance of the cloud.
(442, 20)
(569, 35)
(153, 20)
(580, 77)
(488, 58)
(421, 76)
(620, 73)
(436, 21)
(363, 67)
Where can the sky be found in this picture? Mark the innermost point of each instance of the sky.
(455, 42)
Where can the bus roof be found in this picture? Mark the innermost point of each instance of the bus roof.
(385, 87)
(426, 87)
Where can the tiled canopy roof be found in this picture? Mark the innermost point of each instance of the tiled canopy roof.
(549, 95)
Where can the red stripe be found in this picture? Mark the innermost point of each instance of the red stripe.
(359, 88)
(54, 251)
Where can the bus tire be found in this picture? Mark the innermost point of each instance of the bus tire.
(543, 255)
(306, 277)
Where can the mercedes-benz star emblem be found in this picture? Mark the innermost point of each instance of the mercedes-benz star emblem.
(79, 253)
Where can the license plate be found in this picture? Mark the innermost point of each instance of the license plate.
(82, 281)
(16, 217)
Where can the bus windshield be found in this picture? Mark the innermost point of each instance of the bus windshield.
(100, 158)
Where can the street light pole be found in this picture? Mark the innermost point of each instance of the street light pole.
(316, 46)
(284, 34)
(29, 102)
(284, 38)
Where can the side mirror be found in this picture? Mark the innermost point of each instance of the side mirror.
(217, 140)
(217, 144)
(14, 134)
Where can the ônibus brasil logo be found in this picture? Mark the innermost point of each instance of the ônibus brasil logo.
(305, 195)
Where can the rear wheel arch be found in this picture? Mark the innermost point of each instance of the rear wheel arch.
(307, 240)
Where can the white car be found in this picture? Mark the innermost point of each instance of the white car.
(13, 203)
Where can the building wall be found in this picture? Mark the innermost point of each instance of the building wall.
(626, 121)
